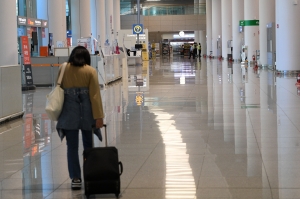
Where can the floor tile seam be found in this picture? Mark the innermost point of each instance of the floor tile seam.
(142, 165)
(198, 183)
(11, 146)
(58, 188)
(295, 125)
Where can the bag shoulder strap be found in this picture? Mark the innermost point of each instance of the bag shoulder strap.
(63, 67)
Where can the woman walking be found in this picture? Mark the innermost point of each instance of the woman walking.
(82, 109)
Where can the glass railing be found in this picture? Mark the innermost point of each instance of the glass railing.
(167, 10)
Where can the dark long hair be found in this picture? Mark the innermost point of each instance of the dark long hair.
(80, 56)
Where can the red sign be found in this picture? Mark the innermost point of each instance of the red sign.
(68, 42)
(25, 50)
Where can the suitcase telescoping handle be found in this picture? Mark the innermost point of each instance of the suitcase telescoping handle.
(105, 134)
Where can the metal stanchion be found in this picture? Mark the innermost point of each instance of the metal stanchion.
(52, 75)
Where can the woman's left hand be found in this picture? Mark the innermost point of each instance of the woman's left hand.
(99, 123)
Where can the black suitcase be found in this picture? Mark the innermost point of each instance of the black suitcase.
(102, 170)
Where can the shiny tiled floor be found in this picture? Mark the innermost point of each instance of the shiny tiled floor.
(206, 129)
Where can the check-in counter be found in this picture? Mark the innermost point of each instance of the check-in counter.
(10, 92)
(45, 69)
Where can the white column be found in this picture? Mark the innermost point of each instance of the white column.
(196, 7)
(216, 25)
(266, 15)
(117, 17)
(251, 32)
(80, 19)
(226, 25)
(287, 35)
(8, 33)
(57, 20)
(109, 20)
(100, 21)
(202, 41)
(196, 38)
(93, 8)
(237, 15)
(208, 26)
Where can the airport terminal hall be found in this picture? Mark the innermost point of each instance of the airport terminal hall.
(149, 99)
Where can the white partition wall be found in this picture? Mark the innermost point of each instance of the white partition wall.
(10, 92)
(10, 72)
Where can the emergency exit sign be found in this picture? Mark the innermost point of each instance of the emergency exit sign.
(249, 23)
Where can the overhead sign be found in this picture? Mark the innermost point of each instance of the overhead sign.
(22, 21)
(137, 28)
(37, 23)
(249, 23)
(30, 22)
(44, 24)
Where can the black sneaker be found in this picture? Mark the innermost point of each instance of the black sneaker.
(76, 184)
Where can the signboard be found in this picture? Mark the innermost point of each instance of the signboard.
(249, 23)
(86, 42)
(26, 60)
(69, 34)
(37, 23)
(139, 82)
(22, 21)
(44, 24)
(137, 28)
(139, 98)
(30, 22)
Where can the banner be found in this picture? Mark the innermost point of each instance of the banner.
(26, 60)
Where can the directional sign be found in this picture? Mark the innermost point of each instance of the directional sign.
(249, 23)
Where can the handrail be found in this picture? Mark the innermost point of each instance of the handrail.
(169, 9)
(45, 65)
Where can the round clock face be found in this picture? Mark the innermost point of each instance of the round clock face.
(181, 33)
